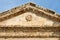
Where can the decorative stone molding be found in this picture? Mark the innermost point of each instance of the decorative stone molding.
(18, 31)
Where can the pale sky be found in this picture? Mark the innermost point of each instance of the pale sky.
(50, 4)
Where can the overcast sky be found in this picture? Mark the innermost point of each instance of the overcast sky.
(50, 4)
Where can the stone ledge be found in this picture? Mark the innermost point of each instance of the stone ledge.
(22, 32)
(29, 35)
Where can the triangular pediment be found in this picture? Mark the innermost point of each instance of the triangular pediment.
(29, 21)
(29, 15)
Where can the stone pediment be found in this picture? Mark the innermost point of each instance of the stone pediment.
(28, 21)
(29, 15)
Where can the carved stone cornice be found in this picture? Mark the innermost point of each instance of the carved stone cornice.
(29, 7)
(29, 32)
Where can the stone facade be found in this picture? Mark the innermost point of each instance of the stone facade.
(29, 21)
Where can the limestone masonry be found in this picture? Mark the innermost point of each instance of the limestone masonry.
(29, 21)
